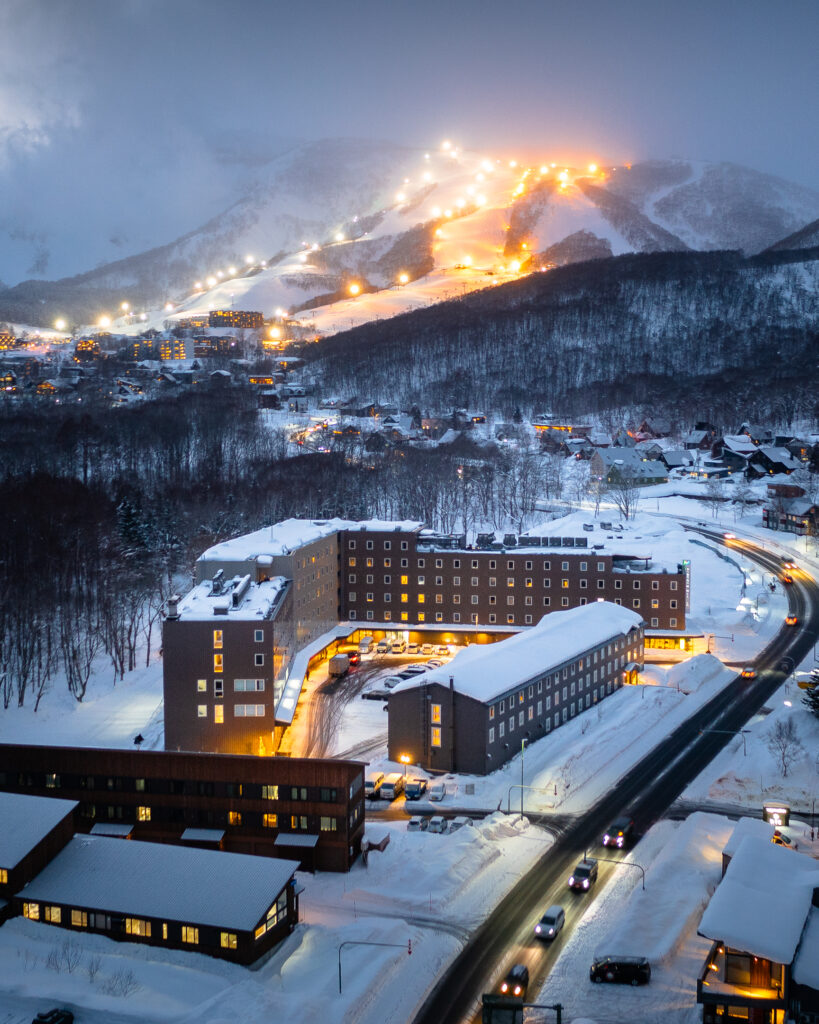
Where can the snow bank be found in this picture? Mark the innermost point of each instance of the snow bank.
(679, 884)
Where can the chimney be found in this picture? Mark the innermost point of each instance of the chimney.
(173, 606)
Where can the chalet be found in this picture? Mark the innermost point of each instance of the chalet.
(33, 829)
(800, 448)
(678, 458)
(757, 433)
(653, 427)
(767, 461)
(735, 451)
(793, 515)
(763, 922)
(782, 487)
(698, 440)
(615, 465)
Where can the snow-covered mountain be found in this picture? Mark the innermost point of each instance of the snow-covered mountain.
(406, 228)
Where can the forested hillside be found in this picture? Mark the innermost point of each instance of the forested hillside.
(698, 335)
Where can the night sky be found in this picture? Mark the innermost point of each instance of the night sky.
(140, 118)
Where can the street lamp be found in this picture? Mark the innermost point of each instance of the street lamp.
(405, 760)
(522, 747)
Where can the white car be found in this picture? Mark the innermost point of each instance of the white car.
(437, 824)
(459, 822)
(417, 824)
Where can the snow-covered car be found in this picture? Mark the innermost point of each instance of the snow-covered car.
(459, 822)
(426, 648)
(391, 681)
(438, 824)
(434, 663)
(414, 669)
(418, 824)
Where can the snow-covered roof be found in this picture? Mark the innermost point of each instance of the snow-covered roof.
(747, 827)
(203, 887)
(806, 964)
(485, 671)
(290, 534)
(740, 444)
(25, 821)
(238, 598)
(778, 455)
(761, 904)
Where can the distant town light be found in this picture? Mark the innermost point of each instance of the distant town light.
(480, 200)
(592, 168)
(143, 317)
(197, 286)
(339, 236)
(275, 332)
(403, 278)
(248, 260)
(219, 274)
(544, 169)
(168, 307)
(105, 321)
(124, 307)
(211, 282)
(400, 196)
(460, 202)
(232, 271)
(60, 324)
(354, 288)
(427, 176)
(446, 144)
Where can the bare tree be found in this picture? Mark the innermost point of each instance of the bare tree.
(624, 492)
(714, 497)
(785, 746)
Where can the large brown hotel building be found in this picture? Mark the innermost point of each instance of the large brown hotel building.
(236, 650)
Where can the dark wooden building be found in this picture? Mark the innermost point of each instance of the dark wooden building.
(226, 905)
(309, 809)
(32, 831)
(473, 714)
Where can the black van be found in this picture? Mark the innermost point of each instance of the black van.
(627, 970)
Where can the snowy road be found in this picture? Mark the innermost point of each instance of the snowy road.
(646, 792)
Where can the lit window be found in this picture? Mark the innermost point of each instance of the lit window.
(404, 598)
(218, 663)
(136, 926)
(435, 713)
(234, 818)
(217, 639)
(143, 813)
(435, 739)
(270, 820)
(219, 714)
(201, 686)
(202, 710)
(328, 824)
(270, 792)
(227, 940)
(53, 915)
(31, 911)
(79, 919)
(190, 935)
(564, 584)
(4, 876)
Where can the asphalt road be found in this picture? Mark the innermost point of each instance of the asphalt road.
(645, 793)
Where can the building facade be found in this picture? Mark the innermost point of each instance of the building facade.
(474, 714)
(227, 648)
(32, 831)
(310, 809)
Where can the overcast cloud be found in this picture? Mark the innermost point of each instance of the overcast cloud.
(126, 122)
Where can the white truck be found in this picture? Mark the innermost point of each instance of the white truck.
(338, 666)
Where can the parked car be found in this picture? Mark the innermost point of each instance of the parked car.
(780, 839)
(434, 663)
(414, 670)
(584, 875)
(392, 786)
(459, 822)
(442, 649)
(391, 681)
(382, 647)
(550, 924)
(415, 788)
(418, 824)
(54, 1017)
(620, 833)
(628, 970)
(437, 824)
(398, 646)
(426, 648)
(516, 982)
(412, 647)
(749, 672)
(437, 791)
(366, 644)
(372, 784)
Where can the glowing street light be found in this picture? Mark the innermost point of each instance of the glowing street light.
(339, 237)
(124, 307)
(211, 282)
(249, 260)
(400, 196)
(197, 286)
(403, 278)
(232, 271)
(446, 144)
(354, 289)
(592, 168)
(168, 307)
(60, 324)
(275, 332)
(105, 321)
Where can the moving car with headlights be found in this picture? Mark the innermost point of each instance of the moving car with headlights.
(787, 578)
(627, 970)
(550, 924)
(620, 833)
(584, 875)
(516, 982)
(749, 672)
(791, 620)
